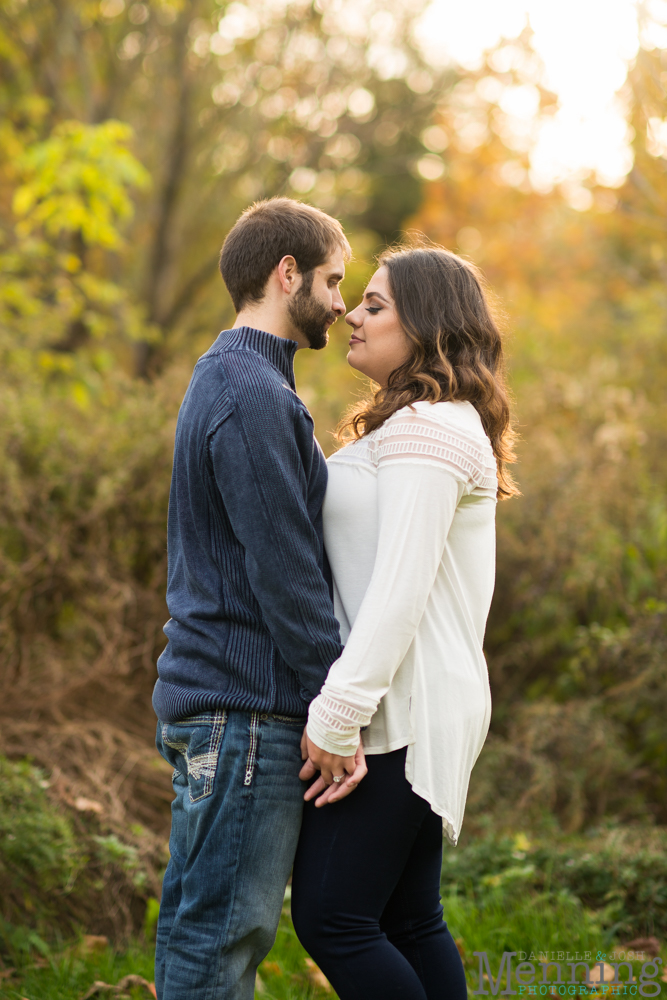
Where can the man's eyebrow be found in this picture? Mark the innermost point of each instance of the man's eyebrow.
(377, 295)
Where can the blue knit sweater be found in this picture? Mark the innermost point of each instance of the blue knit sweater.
(252, 624)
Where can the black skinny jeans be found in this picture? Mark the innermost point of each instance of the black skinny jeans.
(366, 892)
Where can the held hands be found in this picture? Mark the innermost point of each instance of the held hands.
(329, 764)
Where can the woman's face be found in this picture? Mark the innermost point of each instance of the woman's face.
(378, 344)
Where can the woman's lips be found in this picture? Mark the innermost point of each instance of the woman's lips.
(355, 340)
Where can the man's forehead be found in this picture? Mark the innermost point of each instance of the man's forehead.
(335, 264)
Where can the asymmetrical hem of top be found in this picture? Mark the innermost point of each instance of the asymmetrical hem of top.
(409, 531)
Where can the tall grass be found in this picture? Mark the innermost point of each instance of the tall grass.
(528, 922)
(501, 921)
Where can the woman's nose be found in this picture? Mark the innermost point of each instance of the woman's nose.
(352, 319)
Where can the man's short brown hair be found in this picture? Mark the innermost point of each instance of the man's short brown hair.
(268, 231)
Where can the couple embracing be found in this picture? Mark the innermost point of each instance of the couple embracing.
(323, 695)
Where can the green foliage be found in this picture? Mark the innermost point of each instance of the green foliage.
(20, 943)
(72, 490)
(83, 498)
(618, 875)
(226, 108)
(67, 974)
(61, 867)
(38, 847)
(495, 899)
(112, 850)
(72, 195)
(77, 182)
(151, 918)
(104, 276)
(575, 640)
(501, 920)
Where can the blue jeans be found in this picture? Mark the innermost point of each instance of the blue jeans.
(235, 825)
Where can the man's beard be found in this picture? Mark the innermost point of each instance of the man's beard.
(310, 316)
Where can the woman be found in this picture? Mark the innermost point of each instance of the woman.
(409, 527)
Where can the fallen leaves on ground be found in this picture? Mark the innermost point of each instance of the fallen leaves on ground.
(650, 945)
(273, 968)
(87, 805)
(317, 977)
(259, 985)
(120, 990)
(608, 973)
(92, 944)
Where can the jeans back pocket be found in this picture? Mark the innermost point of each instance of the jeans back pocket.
(192, 747)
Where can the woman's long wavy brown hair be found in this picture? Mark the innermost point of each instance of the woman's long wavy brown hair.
(456, 349)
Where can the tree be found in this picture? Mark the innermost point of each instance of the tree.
(72, 196)
(576, 629)
(229, 103)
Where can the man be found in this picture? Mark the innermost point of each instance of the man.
(252, 632)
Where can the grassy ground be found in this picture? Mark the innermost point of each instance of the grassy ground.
(503, 921)
(67, 974)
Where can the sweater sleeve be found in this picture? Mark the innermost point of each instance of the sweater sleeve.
(421, 479)
(261, 455)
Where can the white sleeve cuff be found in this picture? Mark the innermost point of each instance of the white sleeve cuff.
(334, 726)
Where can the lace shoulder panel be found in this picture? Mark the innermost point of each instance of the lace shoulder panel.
(418, 436)
(360, 452)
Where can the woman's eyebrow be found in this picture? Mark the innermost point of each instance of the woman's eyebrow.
(377, 295)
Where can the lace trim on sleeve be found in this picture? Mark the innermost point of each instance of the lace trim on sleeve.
(409, 437)
(336, 724)
(338, 716)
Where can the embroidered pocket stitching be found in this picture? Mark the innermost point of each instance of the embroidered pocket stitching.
(202, 764)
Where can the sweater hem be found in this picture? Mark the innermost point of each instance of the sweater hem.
(172, 703)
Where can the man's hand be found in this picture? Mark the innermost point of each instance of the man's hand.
(329, 764)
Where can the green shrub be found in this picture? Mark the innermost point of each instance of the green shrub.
(63, 870)
(501, 920)
(619, 874)
(38, 848)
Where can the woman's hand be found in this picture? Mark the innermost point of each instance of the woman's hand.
(329, 764)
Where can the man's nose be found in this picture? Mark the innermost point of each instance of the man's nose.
(338, 305)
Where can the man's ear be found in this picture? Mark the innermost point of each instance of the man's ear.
(287, 273)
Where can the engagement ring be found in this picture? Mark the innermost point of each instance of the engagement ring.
(338, 778)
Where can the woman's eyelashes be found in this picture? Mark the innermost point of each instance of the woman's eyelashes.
(373, 309)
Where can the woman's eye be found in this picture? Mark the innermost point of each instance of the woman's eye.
(373, 309)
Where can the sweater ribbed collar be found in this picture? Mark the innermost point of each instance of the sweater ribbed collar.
(278, 351)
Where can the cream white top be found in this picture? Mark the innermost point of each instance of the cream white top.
(409, 529)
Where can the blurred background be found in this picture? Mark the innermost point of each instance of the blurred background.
(529, 136)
